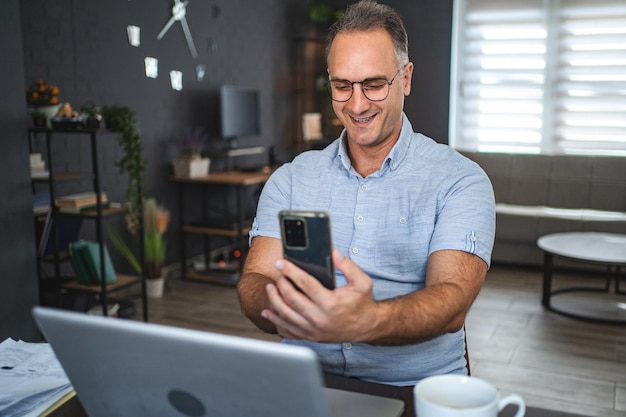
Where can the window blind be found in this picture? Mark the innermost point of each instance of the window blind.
(539, 76)
(590, 96)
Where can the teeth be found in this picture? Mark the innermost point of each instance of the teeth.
(362, 120)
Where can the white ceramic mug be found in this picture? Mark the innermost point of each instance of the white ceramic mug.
(461, 396)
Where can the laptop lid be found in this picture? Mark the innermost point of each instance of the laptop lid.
(128, 368)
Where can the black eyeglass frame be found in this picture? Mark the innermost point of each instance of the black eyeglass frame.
(329, 89)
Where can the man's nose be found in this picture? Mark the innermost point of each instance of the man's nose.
(358, 98)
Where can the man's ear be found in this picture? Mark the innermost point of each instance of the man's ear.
(407, 77)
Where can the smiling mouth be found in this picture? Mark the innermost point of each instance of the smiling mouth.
(362, 119)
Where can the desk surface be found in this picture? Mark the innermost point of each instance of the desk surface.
(229, 178)
(606, 248)
(73, 408)
(406, 394)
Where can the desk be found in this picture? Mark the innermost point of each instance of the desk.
(73, 408)
(237, 230)
(598, 304)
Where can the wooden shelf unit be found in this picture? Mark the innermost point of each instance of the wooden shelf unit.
(237, 179)
(98, 214)
(123, 281)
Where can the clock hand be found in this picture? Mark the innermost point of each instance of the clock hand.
(166, 28)
(192, 47)
(179, 10)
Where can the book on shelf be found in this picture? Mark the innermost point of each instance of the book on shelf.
(69, 228)
(85, 259)
(83, 209)
(80, 199)
(41, 203)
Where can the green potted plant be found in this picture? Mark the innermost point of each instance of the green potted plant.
(39, 118)
(191, 162)
(122, 119)
(90, 115)
(156, 219)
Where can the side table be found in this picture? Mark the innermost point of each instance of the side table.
(606, 305)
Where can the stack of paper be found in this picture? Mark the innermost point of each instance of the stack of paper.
(31, 378)
(38, 166)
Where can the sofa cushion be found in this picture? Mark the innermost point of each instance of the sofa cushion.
(542, 194)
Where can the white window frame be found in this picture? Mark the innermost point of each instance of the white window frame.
(560, 117)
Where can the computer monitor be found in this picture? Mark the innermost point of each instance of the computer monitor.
(239, 107)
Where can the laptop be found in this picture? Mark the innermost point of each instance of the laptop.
(129, 368)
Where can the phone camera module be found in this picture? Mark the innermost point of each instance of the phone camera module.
(295, 235)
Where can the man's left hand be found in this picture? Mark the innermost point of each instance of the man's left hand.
(302, 308)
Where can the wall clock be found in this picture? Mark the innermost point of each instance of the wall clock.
(151, 64)
(179, 10)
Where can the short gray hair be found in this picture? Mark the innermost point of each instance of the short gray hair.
(367, 15)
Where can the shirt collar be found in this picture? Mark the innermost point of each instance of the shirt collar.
(400, 149)
(395, 156)
(342, 152)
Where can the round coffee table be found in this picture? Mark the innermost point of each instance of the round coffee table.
(607, 305)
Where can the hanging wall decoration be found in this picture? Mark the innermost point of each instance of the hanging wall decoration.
(134, 37)
(176, 79)
(152, 67)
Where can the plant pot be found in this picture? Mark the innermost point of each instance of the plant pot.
(39, 122)
(154, 287)
(191, 168)
(48, 111)
(92, 123)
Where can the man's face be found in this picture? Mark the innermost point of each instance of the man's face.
(357, 56)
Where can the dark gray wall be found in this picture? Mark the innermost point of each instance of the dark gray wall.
(82, 47)
(429, 26)
(18, 275)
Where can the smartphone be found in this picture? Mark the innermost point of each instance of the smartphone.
(307, 243)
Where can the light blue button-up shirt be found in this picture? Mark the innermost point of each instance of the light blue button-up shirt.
(426, 197)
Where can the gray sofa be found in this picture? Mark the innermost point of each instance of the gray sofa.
(540, 194)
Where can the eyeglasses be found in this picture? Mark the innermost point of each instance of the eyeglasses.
(374, 89)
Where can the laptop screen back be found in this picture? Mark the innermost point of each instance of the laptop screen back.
(126, 368)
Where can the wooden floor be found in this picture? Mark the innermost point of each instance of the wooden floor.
(553, 361)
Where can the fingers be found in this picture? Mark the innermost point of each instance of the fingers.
(301, 279)
(289, 323)
(302, 308)
(291, 300)
(282, 327)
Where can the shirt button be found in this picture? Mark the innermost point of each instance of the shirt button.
(359, 218)
(402, 220)
(355, 250)
(348, 345)
(472, 238)
(364, 187)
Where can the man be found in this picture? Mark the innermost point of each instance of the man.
(413, 225)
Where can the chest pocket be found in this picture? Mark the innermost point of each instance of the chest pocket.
(403, 239)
